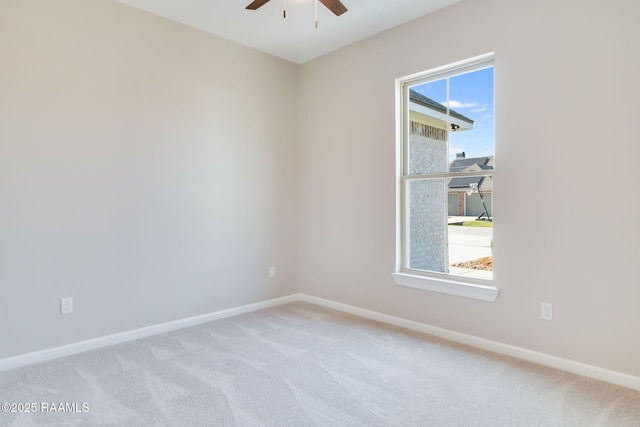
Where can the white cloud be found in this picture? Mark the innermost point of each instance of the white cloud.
(478, 110)
(458, 104)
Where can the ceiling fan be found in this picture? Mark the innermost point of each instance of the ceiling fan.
(334, 6)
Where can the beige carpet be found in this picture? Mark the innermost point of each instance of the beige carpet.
(304, 365)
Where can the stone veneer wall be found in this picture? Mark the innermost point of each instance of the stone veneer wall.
(428, 198)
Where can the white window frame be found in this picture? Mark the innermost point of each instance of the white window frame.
(479, 289)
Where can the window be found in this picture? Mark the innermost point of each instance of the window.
(446, 166)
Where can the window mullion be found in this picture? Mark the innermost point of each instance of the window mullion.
(449, 175)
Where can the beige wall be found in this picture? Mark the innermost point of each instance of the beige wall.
(567, 142)
(148, 170)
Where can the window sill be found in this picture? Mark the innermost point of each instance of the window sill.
(448, 286)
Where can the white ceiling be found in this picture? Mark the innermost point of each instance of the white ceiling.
(294, 38)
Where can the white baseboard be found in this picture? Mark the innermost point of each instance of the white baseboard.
(568, 365)
(92, 344)
(579, 368)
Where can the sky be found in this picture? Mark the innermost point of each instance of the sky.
(471, 95)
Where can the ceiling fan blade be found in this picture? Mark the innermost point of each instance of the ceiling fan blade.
(256, 4)
(334, 6)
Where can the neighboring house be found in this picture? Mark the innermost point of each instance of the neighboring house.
(461, 201)
(429, 133)
(427, 222)
(428, 153)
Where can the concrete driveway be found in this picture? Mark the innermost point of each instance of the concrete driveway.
(468, 244)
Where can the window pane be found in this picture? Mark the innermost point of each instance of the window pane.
(471, 115)
(470, 229)
(450, 226)
(427, 150)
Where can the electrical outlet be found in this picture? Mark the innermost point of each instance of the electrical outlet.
(546, 311)
(66, 305)
(272, 272)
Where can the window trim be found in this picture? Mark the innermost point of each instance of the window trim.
(484, 290)
(447, 285)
